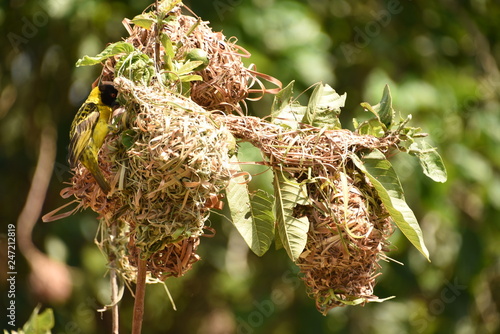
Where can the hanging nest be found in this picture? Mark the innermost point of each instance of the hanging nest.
(176, 164)
(167, 170)
(348, 235)
(349, 226)
(169, 161)
(226, 82)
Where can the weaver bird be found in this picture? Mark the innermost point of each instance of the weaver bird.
(89, 128)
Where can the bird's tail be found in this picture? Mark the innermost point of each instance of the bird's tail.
(89, 160)
(101, 181)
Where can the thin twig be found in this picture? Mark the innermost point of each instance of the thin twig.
(114, 289)
(140, 292)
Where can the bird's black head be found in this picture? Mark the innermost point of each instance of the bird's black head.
(108, 94)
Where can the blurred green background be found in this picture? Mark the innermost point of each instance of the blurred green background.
(441, 61)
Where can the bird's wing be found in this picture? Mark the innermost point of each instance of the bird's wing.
(81, 133)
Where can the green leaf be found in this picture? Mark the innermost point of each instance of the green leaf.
(282, 100)
(169, 52)
(372, 127)
(383, 111)
(285, 111)
(167, 6)
(368, 107)
(386, 182)
(128, 138)
(384, 108)
(324, 108)
(277, 240)
(292, 231)
(251, 215)
(144, 20)
(290, 116)
(188, 67)
(166, 42)
(110, 51)
(136, 66)
(39, 323)
(430, 160)
(200, 55)
(189, 78)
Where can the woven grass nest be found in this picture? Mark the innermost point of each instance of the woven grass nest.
(177, 165)
(349, 226)
(225, 81)
(168, 160)
(167, 169)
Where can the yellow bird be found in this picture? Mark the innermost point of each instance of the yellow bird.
(89, 128)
